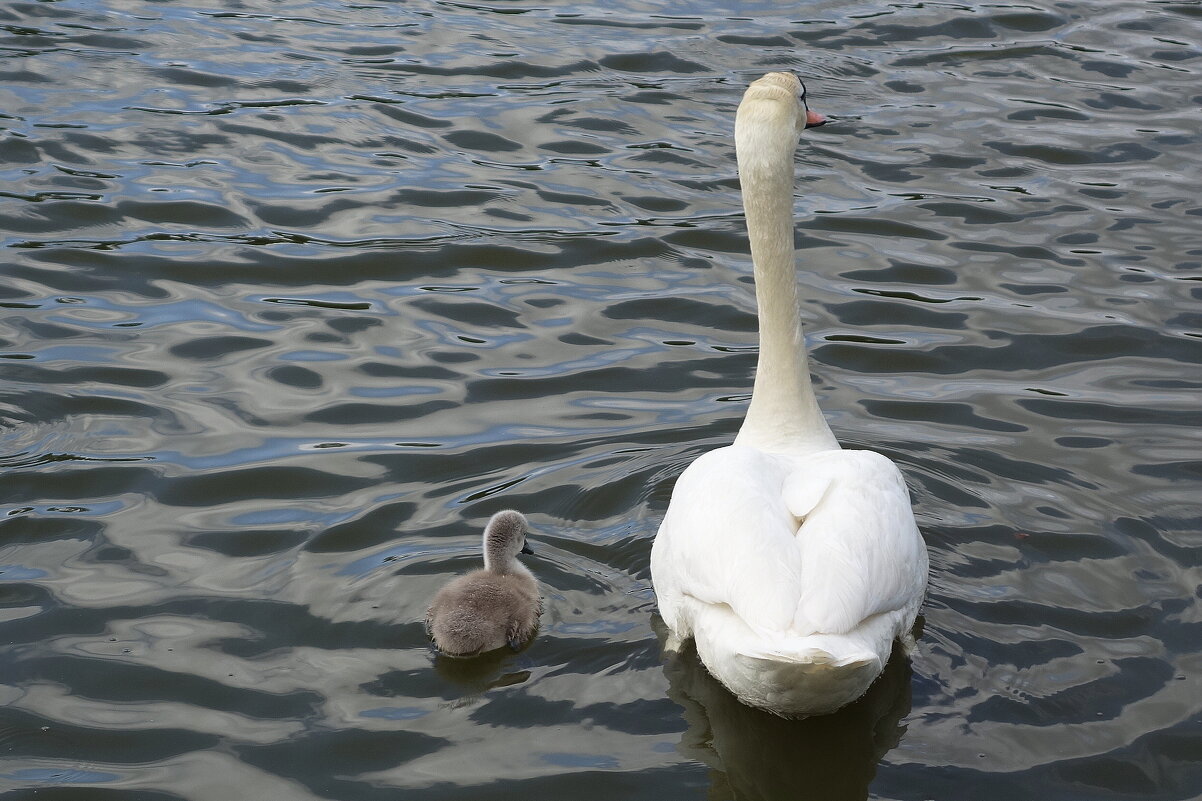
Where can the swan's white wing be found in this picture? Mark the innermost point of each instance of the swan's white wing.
(861, 551)
(731, 537)
(727, 538)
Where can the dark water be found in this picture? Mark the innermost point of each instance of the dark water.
(296, 294)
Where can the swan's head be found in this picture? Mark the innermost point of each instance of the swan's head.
(779, 99)
(504, 539)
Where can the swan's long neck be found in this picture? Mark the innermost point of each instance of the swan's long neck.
(784, 414)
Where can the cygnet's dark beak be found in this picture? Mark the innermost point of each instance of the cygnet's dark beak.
(527, 549)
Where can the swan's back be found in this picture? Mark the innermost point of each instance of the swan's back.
(794, 575)
(793, 545)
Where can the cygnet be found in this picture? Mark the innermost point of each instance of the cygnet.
(490, 608)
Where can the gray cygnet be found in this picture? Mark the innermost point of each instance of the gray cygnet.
(490, 608)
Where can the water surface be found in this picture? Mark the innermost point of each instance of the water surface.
(295, 295)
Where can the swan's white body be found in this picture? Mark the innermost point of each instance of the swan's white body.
(792, 563)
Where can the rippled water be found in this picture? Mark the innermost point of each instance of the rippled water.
(296, 294)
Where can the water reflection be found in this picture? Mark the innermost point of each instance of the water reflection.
(476, 675)
(754, 755)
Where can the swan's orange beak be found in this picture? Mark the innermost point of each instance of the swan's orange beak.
(814, 119)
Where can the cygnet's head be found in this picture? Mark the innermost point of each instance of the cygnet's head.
(504, 539)
(780, 94)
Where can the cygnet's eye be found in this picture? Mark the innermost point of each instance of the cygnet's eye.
(802, 96)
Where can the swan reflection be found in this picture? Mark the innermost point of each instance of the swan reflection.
(757, 756)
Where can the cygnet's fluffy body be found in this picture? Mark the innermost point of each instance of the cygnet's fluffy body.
(490, 608)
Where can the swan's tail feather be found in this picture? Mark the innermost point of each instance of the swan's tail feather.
(798, 681)
(787, 673)
(811, 655)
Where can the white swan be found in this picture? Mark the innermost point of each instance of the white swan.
(793, 564)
